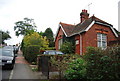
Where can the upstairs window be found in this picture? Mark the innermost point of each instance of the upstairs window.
(102, 40)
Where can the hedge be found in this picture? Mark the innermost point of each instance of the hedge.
(96, 64)
(30, 53)
(103, 64)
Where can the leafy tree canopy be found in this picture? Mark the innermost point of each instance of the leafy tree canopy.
(40, 33)
(4, 35)
(27, 26)
(49, 34)
(36, 39)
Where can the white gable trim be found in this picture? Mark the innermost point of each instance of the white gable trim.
(102, 24)
(110, 27)
(63, 30)
(93, 22)
(60, 26)
(114, 32)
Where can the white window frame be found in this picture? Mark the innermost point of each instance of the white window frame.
(77, 42)
(102, 40)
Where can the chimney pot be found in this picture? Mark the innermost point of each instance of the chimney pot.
(84, 10)
(84, 15)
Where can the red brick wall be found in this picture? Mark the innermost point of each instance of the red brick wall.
(90, 37)
(59, 36)
(77, 46)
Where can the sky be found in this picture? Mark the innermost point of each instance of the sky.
(48, 13)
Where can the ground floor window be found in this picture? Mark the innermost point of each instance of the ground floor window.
(77, 42)
(102, 40)
(60, 42)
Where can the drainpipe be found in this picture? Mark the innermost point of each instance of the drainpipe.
(80, 44)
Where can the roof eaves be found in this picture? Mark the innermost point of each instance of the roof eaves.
(108, 26)
(97, 22)
(114, 31)
(59, 26)
(77, 33)
(92, 23)
(63, 30)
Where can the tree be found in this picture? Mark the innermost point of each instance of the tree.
(40, 33)
(49, 34)
(27, 26)
(4, 36)
(32, 44)
(36, 39)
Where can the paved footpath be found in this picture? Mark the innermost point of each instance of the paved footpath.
(22, 70)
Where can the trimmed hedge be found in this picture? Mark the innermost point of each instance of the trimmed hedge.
(30, 53)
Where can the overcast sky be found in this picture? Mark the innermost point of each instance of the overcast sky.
(48, 13)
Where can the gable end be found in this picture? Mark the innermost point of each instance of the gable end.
(60, 26)
(111, 27)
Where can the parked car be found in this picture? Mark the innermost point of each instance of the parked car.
(7, 58)
(52, 52)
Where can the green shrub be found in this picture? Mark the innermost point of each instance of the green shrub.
(103, 64)
(31, 53)
(68, 48)
(61, 62)
(76, 69)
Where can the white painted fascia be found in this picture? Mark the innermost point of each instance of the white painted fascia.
(77, 33)
(114, 32)
(97, 22)
(108, 26)
(90, 26)
(85, 29)
(60, 26)
(63, 30)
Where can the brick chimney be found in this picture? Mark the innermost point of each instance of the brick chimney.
(84, 15)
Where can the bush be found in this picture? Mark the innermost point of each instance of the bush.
(68, 48)
(76, 70)
(92, 57)
(103, 64)
(31, 53)
(61, 63)
(31, 44)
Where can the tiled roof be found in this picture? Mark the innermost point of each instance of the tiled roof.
(82, 26)
(71, 30)
(68, 28)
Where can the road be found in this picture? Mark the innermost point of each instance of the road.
(6, 73)
(21, 70)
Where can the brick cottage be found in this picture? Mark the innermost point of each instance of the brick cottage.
(91, 31)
